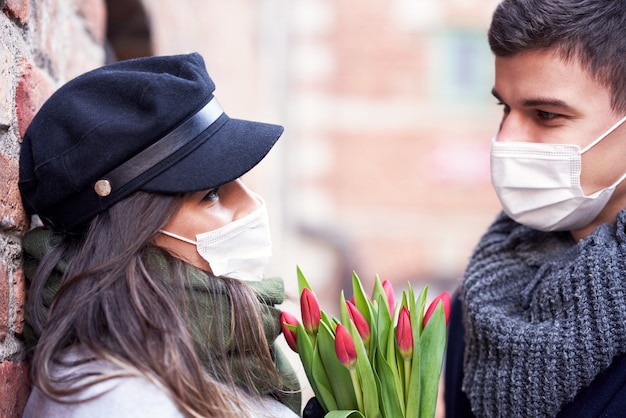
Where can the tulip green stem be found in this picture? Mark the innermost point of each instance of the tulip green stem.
(357, 388)
(407, 378)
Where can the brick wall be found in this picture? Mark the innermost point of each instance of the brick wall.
(42, 44)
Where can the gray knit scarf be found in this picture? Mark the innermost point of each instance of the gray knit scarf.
(543, 316)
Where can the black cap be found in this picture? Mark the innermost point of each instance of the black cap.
(148, 124)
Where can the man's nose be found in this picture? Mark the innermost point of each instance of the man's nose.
(514, 128)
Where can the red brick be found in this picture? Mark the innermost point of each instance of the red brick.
(49, 36)
(33, 88)
(20, 9)
(19, 295)
(94, 13)
(5, 299)
(14, 389)
(7, 60)
(12, 214)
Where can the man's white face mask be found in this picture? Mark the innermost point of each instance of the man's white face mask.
(539, 184)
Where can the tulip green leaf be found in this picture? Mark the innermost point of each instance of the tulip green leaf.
(392, 359)
(390, 398)
(416, 307)
(344, 414)
(343, 311)
(366, 375)
(315, 373)
(384, 326)
(433, 343)
(379, 292)
(386, 367)
(338, 375)
(420, 303)
(329, 321)
(302, 281)
(360, 298)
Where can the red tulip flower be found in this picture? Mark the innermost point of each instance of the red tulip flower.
(310, 309)
(290, 334)
(445, 299)
(390, 295)
(359, 320)
(404, 334)
(344, 347)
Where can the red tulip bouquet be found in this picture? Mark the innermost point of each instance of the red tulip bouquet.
(377, 359)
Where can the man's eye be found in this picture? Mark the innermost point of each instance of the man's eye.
(546, 115)
(211, 195)
(505, 108)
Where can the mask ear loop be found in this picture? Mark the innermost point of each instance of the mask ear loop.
(173, 235)
(621, 179)
(607, 133)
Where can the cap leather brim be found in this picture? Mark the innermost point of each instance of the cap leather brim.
(226, 155)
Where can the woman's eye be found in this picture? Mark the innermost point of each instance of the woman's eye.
(211, 195)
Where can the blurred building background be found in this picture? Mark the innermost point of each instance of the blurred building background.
(383, 167)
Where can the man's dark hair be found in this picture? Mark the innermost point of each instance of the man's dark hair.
(591, 32)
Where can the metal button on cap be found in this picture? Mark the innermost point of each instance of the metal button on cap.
(102, 188)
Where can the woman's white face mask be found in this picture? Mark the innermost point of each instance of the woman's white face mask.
(240, 249)
(539, 184)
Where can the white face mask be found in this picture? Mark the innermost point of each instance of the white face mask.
(539, 184)
(240, 249)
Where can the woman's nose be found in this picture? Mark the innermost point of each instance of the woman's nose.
(244, 201)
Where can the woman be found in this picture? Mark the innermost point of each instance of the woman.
(145, 295)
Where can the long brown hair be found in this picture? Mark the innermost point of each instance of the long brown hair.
(115, 301)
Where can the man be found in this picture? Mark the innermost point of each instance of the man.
(539, 327)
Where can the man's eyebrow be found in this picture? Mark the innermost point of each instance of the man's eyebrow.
(539, 102)
(553, 103)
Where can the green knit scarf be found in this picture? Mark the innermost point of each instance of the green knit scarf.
(203, 289)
